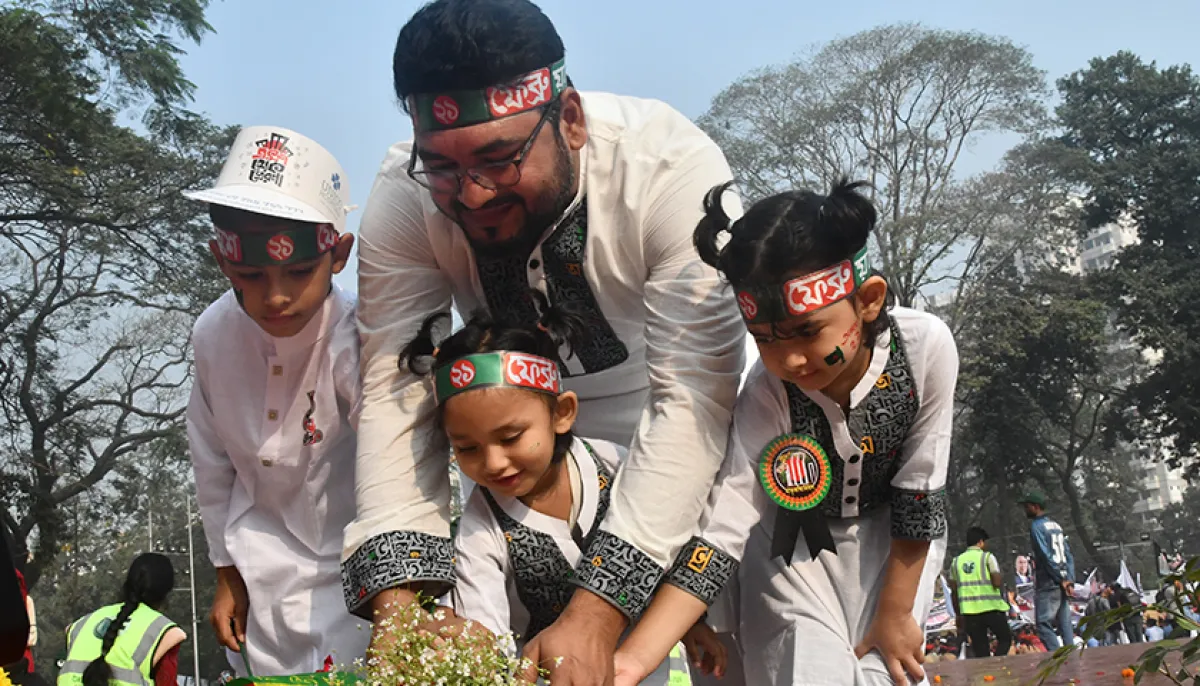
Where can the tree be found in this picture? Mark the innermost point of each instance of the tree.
(897, 106)
(1178, 522)
(1039, 373)
(1138, 130)
(140, 508)
(104, 260)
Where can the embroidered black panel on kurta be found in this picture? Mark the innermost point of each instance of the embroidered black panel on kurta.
(541, 572)
(881, 423)
(505, 284)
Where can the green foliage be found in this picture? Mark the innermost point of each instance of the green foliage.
(1175, 660)
(1138, 128)
(104, 261)
(1038, 372)
(896, 106)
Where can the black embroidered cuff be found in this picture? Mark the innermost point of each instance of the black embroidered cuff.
(702, 569)
(618, 572)
(394, 559)
(918, 516)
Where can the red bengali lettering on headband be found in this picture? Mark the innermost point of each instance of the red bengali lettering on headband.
(530, 91)
(748, 304)
(327, 237)
(229, 245)
(814, 291)
(531, 371)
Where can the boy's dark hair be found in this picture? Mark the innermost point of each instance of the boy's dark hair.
(976, 534)
(471, 44)
(238, 220)
(788, 233)
(484, 333)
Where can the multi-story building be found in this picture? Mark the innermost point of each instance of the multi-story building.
(1159, 485)
(1100, 247)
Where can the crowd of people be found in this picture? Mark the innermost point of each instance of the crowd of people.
(985, 613)
(633, 517)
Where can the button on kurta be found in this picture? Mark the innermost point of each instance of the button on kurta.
(277, 370)
(267, 462)
(272, 415)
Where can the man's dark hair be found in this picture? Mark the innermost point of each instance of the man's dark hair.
(470, 44)
(976, 534)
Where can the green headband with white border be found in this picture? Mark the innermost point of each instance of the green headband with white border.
(456, 109)
(495, 370)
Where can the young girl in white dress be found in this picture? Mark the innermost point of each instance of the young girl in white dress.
(832, 495)
(541, 492)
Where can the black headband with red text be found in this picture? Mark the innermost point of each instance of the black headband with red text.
(804, 294)
(266, 248)
(456, 109)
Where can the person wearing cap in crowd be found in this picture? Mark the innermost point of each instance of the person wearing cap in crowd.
(1054, 573)
(516, 179)
(271, 420)
(977, 586)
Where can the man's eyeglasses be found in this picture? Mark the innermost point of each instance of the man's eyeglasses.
(493, 175)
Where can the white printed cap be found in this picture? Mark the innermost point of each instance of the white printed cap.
(280, 173)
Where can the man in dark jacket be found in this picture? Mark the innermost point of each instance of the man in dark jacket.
(1054, 574)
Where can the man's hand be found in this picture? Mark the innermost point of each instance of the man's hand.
(1068, 587)
(578, 648)
(390, 603)
(229, 608)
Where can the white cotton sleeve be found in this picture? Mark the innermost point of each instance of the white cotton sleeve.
(483, 569)
(401, 531)
(738, 502)
(919, 495)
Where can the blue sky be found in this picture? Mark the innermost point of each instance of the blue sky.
(324, 68)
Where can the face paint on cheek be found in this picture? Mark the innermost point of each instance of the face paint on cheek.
(852, 337)
(835, 357)
(850, 341)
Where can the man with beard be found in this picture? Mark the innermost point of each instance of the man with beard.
(516, 180)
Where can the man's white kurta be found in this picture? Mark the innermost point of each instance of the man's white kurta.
(645, 171)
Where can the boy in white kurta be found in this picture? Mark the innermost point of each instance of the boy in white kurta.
(271, 421)
(832, 494)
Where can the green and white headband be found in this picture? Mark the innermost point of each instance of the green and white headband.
(803, 294)
(497, 370)
(456, 109)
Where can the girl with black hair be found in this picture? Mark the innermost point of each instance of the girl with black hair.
(131, 642)
(832, 495)
(542, 492)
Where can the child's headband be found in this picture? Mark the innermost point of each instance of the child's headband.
(497, 369)
(804, 294)
(263, 249)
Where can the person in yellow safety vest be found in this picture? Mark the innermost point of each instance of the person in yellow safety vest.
(132, 643)
(976, 584)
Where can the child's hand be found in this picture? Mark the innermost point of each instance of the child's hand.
(628, 670)
(230, 605)
(899, 640)
(705, 651)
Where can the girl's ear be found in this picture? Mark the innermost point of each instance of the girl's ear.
(872, 298)
(566, 409)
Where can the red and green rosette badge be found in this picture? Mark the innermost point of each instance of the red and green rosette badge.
(795, 472)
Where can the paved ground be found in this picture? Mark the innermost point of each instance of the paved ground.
(1095, 667)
